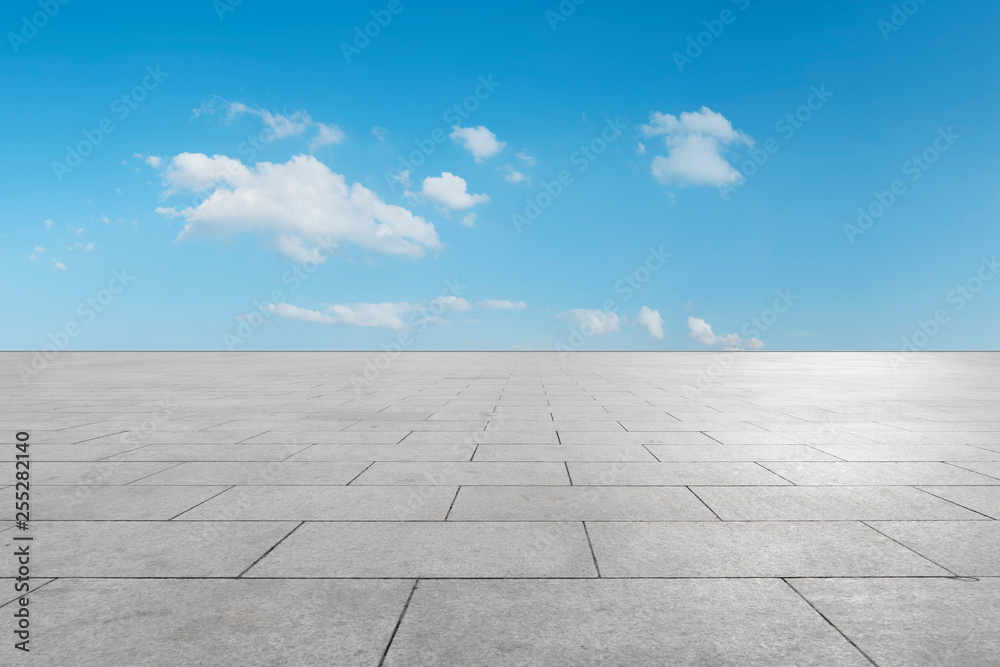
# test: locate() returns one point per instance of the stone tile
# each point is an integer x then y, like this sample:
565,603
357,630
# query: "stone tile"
577,503
247,473
912,622
210,453
829,503
213,622
615,622
87,473
876,474
738,453
67,452
563,453
670,474
401,452
984,499
431,549
986,438
909,452
177,437
457,474
328,437
149,548
326,503
787,438
433,426
106,503
504,437
990,468
662,438
967,548
762,549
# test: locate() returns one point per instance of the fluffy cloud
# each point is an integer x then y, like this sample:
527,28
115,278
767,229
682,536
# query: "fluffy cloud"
58,266
651,320
451,191
526,158
469,220
477,140
515,176
326,135
297,201
695,144
451,303
374,315
591,322
278,126
702,332
502,304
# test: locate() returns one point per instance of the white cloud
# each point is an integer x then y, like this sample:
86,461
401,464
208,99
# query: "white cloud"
651,320
48,224
297,313
702,332
79,232
279,126
38,251
477,140
452,303
326,135
370,315
640,149
591,322
502,304
154,161
58,266
515,176
380,132
528,159
300,198
451,191
695,144
295,249
80,246
469,220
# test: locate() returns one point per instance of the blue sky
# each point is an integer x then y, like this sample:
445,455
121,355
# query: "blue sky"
244,175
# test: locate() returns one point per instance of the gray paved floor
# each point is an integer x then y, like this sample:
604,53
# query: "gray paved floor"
508,509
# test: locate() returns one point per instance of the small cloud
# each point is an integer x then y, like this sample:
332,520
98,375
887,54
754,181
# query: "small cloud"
294,248
154,161
326,135
48,223
688,305
640,149
58,266
80,246
583,117
502,304
651,320
696,142
469,220
702,332
105,219
477,140
515,176
452,303
38,251
79,232
591,322
450,191
380,132
526,158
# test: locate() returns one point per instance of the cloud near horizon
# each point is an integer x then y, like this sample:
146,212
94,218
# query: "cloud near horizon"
298,201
